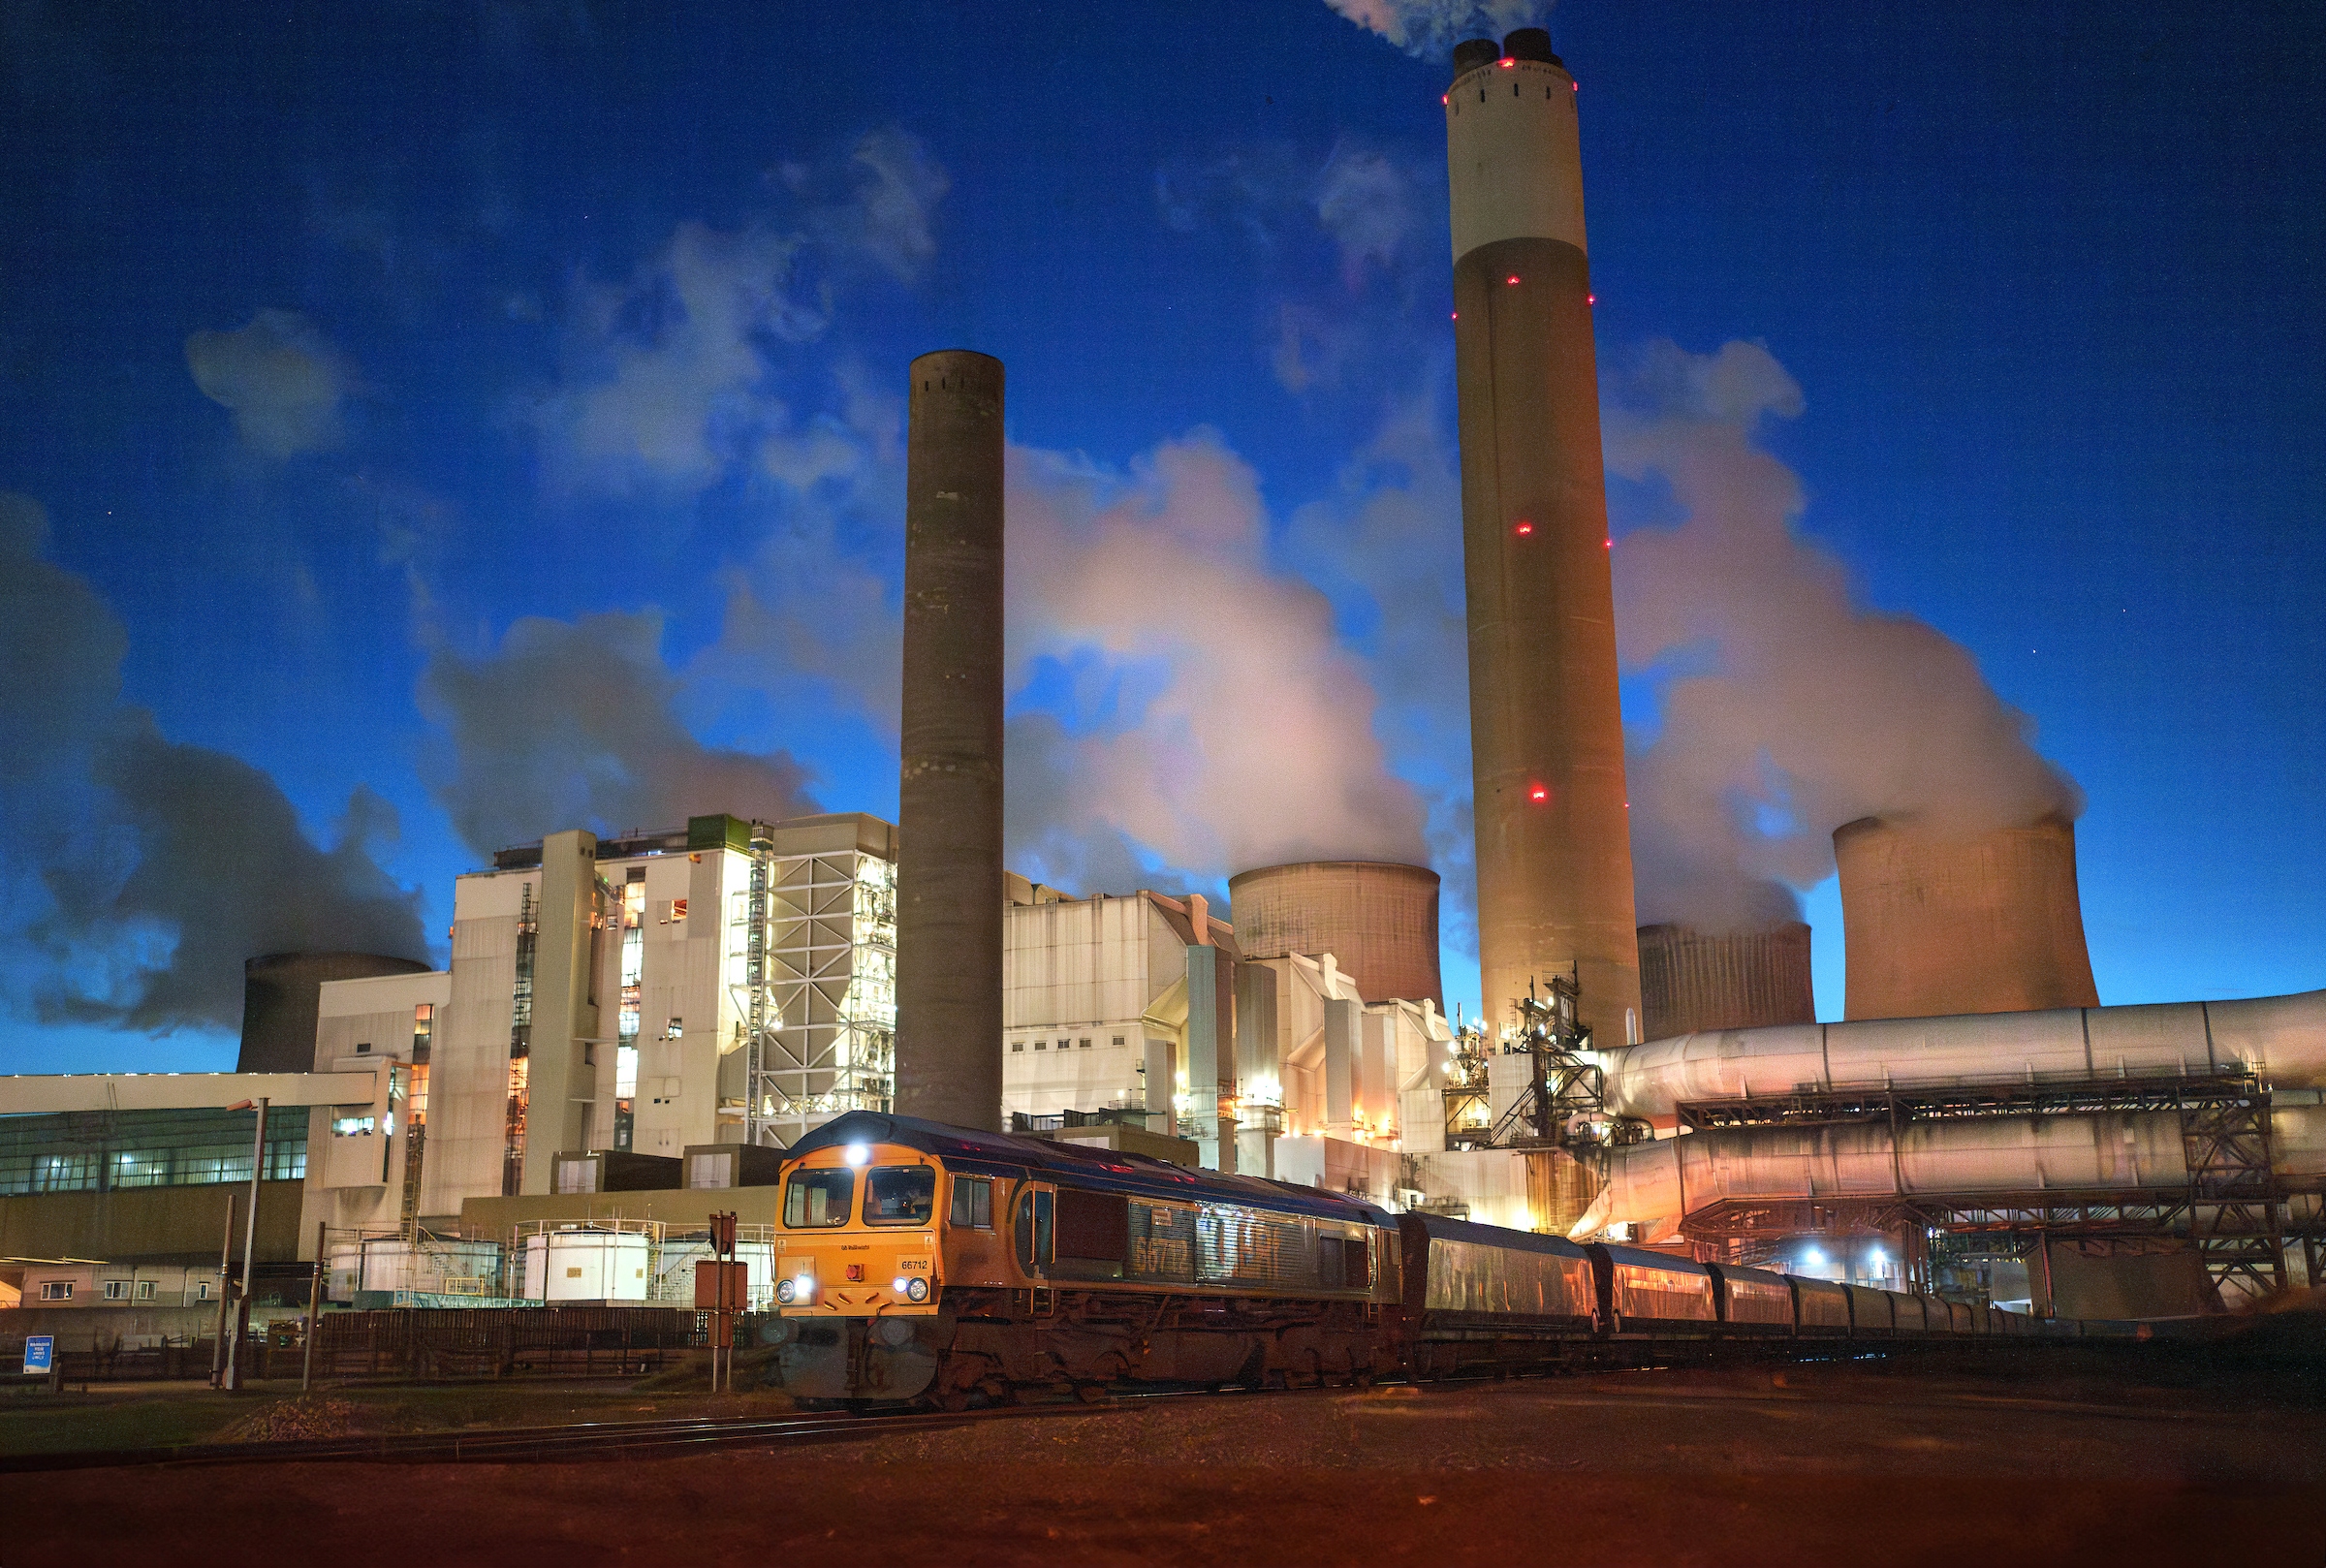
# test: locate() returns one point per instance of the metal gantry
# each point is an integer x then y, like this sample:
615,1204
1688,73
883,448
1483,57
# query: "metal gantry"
2233,1205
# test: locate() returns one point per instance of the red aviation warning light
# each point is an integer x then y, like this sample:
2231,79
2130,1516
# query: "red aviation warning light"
1538,792
1524,528
1512,280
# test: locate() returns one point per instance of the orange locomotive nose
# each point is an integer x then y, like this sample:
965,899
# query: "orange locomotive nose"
855,1273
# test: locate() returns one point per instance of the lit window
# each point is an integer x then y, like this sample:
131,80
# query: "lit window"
56,1290
355,1126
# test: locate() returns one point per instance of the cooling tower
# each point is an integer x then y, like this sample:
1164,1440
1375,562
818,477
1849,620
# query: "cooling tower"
1987,922
282,995
949,873
1377,918
1692,981
1545,726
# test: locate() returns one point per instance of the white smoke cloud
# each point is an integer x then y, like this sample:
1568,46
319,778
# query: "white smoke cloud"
576,725
1244,731
1790,707
668,381
1435,26
141,873
279,375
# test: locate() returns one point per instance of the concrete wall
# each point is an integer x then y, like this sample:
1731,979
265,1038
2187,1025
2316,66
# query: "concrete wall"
150,1224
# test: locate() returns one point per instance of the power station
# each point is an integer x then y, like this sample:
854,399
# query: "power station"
625,1022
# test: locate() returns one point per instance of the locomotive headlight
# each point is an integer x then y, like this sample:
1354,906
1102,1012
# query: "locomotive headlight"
786,1292
898,1284
916,1288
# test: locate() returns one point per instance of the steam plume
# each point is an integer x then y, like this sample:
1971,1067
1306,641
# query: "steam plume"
149,870
1435,26
572,725
1790,707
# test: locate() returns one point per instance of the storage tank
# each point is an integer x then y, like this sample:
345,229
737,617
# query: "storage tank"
282,993
584,1265
1693,980
430,1267
1378,918
1936,923
674,1276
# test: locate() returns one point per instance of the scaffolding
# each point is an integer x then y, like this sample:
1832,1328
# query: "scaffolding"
816,992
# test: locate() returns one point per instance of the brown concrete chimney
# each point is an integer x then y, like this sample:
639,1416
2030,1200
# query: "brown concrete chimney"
1938,924
1693,981
1546,726
1379,919
949,873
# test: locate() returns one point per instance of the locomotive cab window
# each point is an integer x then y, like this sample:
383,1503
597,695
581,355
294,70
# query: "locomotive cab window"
901,1195
972,1201
817,1198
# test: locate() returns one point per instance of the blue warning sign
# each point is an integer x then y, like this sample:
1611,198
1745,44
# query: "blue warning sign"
39,1352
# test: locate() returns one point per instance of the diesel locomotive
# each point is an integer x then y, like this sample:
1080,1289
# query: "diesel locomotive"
934,1264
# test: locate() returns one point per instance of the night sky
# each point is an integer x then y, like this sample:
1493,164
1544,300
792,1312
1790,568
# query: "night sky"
434,425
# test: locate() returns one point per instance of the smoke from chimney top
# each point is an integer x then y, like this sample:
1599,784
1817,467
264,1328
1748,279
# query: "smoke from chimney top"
1790,707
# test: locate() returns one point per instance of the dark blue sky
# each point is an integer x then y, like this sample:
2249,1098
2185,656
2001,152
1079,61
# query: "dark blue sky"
336,341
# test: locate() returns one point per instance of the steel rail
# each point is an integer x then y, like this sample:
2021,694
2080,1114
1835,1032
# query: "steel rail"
536,1444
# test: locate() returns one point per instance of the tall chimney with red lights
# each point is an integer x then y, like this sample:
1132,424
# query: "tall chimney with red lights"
1554,841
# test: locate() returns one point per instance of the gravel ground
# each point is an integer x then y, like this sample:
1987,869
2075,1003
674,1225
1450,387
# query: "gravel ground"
1989,1466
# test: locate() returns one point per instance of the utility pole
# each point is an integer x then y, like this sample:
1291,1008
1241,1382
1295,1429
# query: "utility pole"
226,1290
307,1369
250,1241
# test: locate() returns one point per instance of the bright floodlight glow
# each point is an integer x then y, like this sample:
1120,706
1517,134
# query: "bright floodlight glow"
1814,1258
857,1153
898,1284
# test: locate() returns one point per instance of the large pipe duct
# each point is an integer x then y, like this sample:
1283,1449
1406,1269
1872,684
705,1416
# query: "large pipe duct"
1546,726
1693,980
1936,923
1377,918
949,873
2283,1038
1654,1186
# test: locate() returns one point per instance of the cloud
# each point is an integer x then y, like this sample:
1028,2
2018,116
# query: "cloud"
1230,728
1434,26
144,871
575,725
1788,706
279,375
671,381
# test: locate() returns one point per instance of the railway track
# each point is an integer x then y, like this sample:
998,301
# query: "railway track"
535,1445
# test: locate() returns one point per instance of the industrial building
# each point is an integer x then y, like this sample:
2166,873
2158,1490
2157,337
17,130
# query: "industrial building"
629,1024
